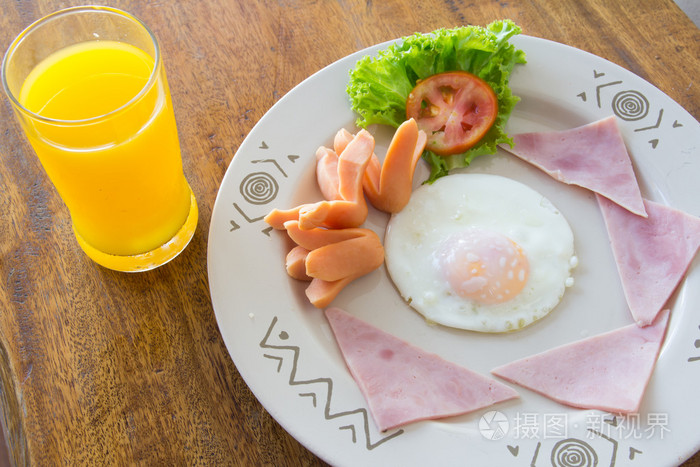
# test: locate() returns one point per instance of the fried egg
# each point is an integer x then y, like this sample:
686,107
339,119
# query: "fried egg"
480,252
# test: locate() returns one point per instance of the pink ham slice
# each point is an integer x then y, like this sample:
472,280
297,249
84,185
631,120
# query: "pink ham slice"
592,156
608,371
652,254
404,384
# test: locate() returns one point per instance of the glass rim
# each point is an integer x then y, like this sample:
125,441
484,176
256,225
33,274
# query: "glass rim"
71,10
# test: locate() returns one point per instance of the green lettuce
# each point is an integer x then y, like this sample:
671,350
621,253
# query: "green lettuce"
379,85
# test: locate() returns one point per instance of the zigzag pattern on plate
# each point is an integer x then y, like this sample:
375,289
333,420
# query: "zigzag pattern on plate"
325,381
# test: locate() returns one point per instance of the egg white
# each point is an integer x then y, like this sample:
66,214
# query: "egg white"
463,201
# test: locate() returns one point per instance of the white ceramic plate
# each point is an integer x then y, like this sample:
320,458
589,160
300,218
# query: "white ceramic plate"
285,351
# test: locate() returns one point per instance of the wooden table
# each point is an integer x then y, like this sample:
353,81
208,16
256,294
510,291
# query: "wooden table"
104,367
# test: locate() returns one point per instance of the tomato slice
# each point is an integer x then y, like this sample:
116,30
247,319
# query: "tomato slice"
455,109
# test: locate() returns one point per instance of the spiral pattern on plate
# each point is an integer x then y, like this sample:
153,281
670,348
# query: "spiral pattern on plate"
573,453
630,105
259,188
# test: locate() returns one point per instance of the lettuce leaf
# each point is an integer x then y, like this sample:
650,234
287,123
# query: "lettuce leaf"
379,85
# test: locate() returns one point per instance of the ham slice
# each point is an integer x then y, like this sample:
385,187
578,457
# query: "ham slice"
652,254
404,384
608,371
593,156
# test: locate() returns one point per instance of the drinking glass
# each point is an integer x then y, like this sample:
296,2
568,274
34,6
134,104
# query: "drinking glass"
88,87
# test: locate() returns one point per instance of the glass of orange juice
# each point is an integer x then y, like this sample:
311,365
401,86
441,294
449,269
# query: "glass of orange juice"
88,87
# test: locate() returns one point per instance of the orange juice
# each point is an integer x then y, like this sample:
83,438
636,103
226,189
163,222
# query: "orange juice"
108,141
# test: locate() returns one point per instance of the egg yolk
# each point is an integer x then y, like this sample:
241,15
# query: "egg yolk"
483,265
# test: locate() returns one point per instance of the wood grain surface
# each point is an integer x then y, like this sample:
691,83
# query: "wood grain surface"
100,367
